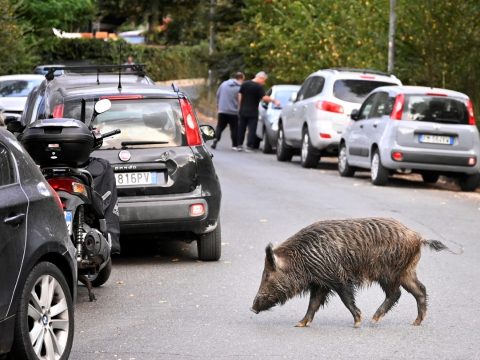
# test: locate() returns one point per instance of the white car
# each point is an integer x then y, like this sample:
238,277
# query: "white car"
313,124
14,90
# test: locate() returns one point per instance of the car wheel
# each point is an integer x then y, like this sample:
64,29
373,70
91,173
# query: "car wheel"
309,157
378,172
103,276
44,322
430,177
209,245
469,182
283,152
267,147
344,169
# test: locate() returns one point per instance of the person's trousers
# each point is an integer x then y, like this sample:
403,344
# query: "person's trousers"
250,123
232,121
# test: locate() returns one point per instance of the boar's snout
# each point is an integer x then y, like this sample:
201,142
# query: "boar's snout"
254,311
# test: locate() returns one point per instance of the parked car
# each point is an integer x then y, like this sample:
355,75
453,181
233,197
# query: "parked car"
314,123
165,176
269,114
38,268
14,90
43,69
411,128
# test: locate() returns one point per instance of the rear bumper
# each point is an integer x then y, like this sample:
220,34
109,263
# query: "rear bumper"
432,161
332,125
167,213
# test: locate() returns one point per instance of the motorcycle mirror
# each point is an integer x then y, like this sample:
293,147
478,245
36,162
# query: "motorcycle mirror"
102,105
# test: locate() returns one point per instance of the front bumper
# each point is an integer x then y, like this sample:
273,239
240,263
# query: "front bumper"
167,213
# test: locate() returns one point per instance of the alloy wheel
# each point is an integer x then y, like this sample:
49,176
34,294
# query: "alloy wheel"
48,318
375,165
342,159
305,144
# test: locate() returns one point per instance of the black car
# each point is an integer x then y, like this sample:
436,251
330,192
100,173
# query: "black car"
165,176
38,268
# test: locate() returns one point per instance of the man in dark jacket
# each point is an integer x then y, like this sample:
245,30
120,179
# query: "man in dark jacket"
250,94
227,107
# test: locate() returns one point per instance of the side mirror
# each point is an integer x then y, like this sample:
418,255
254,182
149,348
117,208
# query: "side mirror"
355,114
102,105
208,132
293,97
13,123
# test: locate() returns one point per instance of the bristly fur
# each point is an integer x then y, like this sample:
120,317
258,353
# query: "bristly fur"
342,256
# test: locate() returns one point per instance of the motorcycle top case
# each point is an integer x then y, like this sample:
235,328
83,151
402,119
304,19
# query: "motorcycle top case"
58,142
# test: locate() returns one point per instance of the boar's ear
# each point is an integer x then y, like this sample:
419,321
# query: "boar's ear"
271,259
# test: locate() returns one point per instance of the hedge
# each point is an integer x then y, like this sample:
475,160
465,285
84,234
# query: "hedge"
163,63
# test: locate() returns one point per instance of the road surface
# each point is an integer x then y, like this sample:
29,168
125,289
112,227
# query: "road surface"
161,303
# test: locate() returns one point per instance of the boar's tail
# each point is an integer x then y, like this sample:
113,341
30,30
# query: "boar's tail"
439,246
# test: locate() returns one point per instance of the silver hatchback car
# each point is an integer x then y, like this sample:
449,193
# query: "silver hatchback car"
411,128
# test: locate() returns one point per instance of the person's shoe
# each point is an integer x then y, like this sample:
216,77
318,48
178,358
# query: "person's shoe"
239,148
214,144
249,149
234,148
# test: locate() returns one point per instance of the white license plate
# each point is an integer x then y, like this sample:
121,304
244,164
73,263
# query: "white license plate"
136,178
436,139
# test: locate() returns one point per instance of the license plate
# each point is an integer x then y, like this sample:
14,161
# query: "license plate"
436,139
69,220
136,178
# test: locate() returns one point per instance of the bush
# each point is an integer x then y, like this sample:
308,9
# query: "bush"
162,63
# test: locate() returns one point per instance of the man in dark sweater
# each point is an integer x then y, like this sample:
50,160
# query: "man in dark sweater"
250,94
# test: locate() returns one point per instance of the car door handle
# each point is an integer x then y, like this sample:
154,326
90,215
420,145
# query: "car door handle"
361,126
375,125
14,220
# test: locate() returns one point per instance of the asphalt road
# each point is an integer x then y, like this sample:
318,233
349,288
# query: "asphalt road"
161,303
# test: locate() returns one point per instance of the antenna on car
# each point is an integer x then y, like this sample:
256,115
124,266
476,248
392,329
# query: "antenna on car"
98,76
120,77
175,88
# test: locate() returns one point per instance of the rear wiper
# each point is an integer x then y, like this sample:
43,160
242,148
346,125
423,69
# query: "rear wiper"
130,143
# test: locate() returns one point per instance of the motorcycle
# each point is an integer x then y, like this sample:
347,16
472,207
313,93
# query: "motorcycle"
62,148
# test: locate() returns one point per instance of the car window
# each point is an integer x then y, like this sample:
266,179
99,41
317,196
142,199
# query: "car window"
355,91
364,112
383,105
138,119
283,96
17,88
7,174
303,89
437,109
315,86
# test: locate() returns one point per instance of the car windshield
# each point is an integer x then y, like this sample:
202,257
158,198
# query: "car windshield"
284,96
355,91
147,120
17,88
439,109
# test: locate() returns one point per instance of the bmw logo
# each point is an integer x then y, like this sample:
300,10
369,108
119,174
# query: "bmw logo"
124,155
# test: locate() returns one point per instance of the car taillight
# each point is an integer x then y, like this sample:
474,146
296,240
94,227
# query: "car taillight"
58,111
57,198
325,136
192,131
197,210
398,107
397,155
471,116
329,106
69,185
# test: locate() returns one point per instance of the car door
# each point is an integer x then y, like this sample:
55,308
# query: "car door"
293,120
374,126
263,109
316,87
357,141
13,211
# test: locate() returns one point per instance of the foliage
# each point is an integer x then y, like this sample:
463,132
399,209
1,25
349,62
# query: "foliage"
16,55
163,63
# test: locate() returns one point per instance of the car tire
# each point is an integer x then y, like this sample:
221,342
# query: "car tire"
284,153
430,177
53,334
469,182
379,174
309,157
103,276
267,147
209,246
344,168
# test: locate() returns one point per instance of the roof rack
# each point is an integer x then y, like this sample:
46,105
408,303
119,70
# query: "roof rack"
135,69
364,71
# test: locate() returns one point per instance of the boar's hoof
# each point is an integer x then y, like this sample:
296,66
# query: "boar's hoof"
417,322
303,323
357,324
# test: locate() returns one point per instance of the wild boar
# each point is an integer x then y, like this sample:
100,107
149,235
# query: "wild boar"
339,256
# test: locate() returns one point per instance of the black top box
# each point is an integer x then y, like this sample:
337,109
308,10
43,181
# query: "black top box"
58,142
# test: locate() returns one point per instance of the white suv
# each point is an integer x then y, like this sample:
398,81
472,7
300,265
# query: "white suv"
313,124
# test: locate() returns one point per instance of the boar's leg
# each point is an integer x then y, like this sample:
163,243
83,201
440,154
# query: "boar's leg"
347,295
392,294
417,289
318,297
